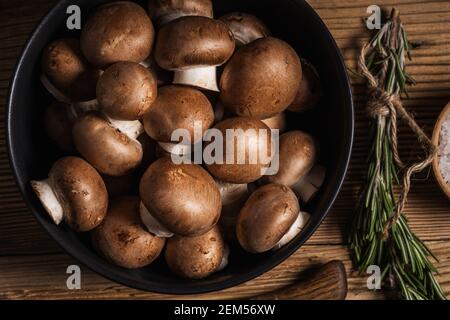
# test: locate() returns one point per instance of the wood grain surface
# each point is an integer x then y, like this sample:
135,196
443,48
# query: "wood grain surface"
33,267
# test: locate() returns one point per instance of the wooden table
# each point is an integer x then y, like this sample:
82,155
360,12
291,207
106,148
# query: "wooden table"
32,266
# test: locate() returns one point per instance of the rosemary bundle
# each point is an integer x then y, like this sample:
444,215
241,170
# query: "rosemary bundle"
379,233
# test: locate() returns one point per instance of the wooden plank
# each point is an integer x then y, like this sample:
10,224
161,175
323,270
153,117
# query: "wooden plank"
46,277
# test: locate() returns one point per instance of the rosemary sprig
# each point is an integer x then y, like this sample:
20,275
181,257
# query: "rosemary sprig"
402,257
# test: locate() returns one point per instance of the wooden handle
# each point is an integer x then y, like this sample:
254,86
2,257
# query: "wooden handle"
329,282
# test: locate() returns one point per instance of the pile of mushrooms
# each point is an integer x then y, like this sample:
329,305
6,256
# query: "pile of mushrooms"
124,87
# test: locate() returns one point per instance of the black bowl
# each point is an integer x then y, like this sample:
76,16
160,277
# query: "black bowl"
31,154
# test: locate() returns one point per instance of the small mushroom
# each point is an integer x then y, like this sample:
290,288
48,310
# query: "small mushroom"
269,215
261,79
196,257
183,198
74,192
251,144
178,107
58,122
193,47
126,90
65,72
297,158
245,27
122,239
117,31
310,89
163,12
278,121
110,146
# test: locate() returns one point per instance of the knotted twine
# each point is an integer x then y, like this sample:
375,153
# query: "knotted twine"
383,104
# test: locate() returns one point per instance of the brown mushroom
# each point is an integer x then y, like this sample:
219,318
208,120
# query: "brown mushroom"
183,198
117,31
126,90
178,107
163,12
66,74
245,27
193,46
247,150
122,239
58,122
109,147
269,214
74,192
261,79
310,90
196,257
297,157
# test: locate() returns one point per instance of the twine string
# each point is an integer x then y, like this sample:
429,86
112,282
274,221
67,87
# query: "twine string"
384,104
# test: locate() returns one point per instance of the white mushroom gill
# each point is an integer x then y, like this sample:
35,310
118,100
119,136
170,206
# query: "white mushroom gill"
177,149
153,225
201,77
132,129
48,198
294,230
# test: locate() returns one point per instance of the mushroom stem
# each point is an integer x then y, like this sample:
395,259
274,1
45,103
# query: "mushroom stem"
307,187
176,148
48,198
132,129
226,254
57,94
152,225
201,77
80,107
294,230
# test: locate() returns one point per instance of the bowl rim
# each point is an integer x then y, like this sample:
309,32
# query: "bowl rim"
445,187
268,264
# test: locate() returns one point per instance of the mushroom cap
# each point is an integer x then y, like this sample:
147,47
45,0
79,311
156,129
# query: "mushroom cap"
118,31
164,11
126,90
80,191
193,41
178,107
297,155
184,198
245,27
266,217
261,79
66,68
122,239
254,146
109,150
195,257
58,123
310,91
